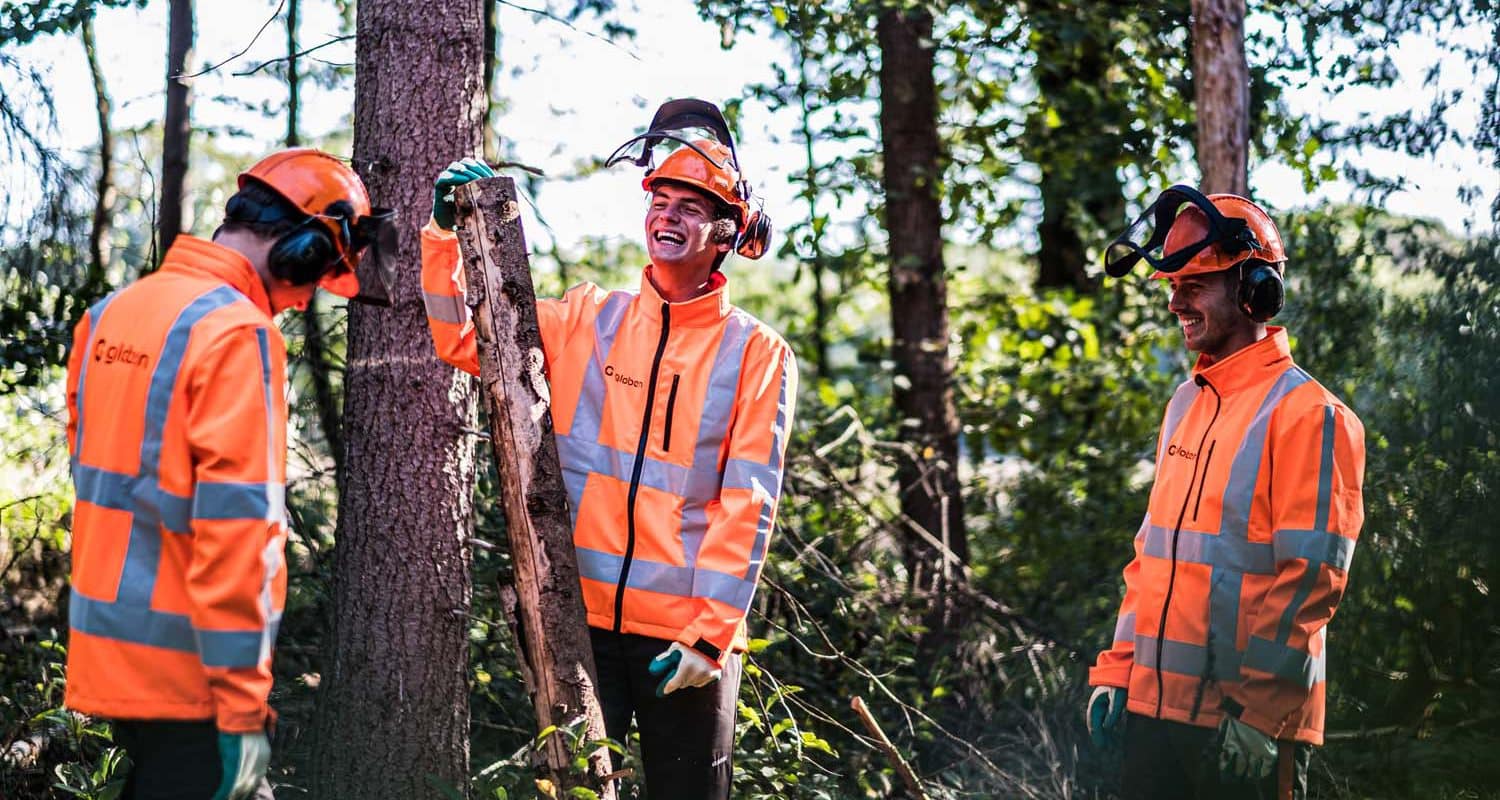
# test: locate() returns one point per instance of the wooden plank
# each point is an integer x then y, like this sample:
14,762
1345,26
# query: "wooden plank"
551,630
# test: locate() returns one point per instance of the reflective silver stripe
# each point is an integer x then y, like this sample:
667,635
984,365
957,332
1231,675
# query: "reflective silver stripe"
1320,523
272,556
1285,662
1194,547
767,517
1125,628
588,411
1225,583
211,500
671,579
1184,658
713,427
445,308
1177,408
741,474
1322,547
586,457
166,630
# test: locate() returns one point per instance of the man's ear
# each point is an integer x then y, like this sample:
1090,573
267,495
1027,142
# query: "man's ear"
724,232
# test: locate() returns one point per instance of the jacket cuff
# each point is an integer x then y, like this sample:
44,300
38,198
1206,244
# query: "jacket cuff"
432,230
1251,716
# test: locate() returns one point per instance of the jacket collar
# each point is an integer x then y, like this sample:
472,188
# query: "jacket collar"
703,311
190,255
1249,366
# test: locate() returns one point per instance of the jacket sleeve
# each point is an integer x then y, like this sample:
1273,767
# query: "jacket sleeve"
1317,469
443,295
739,530
451,322
236,583
1112,668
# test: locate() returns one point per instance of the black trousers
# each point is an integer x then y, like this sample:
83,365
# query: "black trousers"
173,760
1166,760
687,737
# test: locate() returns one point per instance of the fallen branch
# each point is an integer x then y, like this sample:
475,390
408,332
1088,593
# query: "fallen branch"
908,777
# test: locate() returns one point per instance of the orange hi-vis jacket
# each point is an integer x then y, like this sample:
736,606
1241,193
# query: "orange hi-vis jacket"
1245,549
671,422
177,427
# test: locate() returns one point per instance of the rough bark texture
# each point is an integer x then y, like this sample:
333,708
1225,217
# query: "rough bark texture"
104,188
1221,95
551,628
919,294
394,715
177,123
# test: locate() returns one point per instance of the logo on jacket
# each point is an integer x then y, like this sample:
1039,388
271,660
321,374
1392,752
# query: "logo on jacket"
107,353
1174,450
620,377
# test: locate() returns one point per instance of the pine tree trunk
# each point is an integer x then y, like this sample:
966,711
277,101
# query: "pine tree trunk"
293,79
176,124
1221,94
393,720
104,188
919,295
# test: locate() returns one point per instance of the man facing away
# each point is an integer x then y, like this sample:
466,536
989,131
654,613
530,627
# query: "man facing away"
177,429
671,409
1215,679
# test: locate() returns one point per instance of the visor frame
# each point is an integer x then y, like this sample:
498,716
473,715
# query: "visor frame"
1166,209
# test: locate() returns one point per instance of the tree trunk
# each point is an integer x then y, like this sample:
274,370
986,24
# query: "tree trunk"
293,80
491,151
104,188
811,190
393,720
176,124
551,629
923,391
1221,94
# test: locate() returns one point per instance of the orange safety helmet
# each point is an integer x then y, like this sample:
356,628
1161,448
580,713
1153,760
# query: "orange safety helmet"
316,182
1192,226
714,174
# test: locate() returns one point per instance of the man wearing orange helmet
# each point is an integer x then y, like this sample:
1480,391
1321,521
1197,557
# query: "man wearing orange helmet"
177,429
1215,680
671,409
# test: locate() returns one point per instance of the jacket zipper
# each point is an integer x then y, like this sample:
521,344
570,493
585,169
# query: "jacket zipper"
635,472
1207,460
666,435
1166,603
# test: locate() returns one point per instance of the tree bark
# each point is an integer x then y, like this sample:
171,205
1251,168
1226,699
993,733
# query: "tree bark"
176,123
811,191
104,187
293,79
393,720
919,294
550,624
1221,95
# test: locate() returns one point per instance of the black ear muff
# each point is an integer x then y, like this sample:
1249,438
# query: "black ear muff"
303,254
755,239
1262,292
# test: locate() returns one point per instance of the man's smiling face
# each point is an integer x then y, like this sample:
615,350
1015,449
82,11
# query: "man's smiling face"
1206,307
679,229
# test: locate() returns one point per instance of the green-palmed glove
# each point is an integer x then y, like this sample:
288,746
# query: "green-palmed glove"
1246,753
243,758
681,668
457,174
1106,707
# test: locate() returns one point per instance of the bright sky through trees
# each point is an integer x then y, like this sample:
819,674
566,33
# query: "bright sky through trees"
572,96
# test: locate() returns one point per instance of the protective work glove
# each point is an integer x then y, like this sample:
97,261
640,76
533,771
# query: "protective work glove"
1246,753
1106,707
243,758
681,667
457,174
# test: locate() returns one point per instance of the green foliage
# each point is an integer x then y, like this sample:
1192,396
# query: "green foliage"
24,20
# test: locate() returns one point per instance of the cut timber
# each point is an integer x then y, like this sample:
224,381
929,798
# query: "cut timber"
552,635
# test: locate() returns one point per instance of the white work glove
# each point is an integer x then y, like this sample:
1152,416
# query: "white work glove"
682,667
1105,709
1246,753
243,758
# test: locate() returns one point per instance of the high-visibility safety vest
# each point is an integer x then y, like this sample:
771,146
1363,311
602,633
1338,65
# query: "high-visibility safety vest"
177,429
1245,548
671,422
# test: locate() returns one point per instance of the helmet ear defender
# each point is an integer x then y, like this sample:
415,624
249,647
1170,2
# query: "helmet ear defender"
755,239
1262,291
307,252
